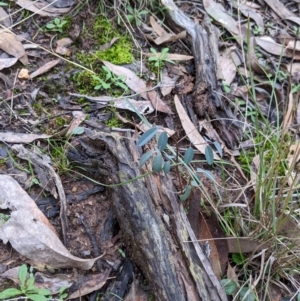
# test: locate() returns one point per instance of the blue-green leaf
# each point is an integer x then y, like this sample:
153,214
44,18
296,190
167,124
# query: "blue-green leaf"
298,297
157,163
78,130
145,157
246,294
189,155
219,148
167,167
162,141
187,192
230,286
196,181
207,173
148,135
209,155
22,275
10,292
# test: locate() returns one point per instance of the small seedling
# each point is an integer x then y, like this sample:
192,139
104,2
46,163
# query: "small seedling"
27,288
159,59
56,25
110,81
135,15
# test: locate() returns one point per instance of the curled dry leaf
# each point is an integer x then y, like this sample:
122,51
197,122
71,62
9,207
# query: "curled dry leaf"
190,130
229,61
30,233
23,74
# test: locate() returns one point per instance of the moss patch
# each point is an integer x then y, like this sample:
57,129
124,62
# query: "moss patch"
103,32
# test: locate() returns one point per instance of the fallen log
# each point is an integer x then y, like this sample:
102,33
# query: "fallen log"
154,225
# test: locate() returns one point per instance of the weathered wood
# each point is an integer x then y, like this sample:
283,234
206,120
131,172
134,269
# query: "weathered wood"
207,96
156,228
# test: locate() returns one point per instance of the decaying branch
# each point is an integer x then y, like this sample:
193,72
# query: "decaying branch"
156,228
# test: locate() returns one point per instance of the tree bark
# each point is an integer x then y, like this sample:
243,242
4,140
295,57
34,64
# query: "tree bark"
155,226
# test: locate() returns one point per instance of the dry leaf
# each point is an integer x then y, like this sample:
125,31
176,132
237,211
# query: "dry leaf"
156,27
156,101
218,13
142,106
228,63
30,233
20,137
190,130
10,44
8,62
89,284
130,79
4,18
32,6
167,83
108,45
44,68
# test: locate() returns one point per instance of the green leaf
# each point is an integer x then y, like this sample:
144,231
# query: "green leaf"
130,9
196,181
10,292
30,283
153,50
44,292
162,141
189,155
143,12
98,87
50,26
219,148
207,173
78,130
147,136
230,286
36,297
246,294
238,258
298,297
187,192
209,155
62,289
145,157
22,275
167,167
157,163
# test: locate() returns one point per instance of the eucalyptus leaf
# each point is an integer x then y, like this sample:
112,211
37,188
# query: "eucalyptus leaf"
189,155
145,157
162,141
167,167
147,136
187,192
157,163
209,155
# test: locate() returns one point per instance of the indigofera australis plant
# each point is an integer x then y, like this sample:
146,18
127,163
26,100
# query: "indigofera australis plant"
165,157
